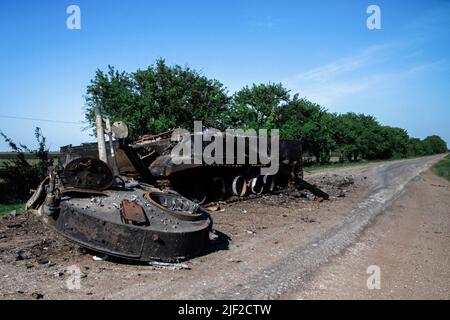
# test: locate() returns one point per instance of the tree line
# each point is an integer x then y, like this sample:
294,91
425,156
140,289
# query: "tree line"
164,97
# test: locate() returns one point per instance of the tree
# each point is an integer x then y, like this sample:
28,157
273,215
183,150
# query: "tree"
348,135
112,91
158,98
396,143
257,107
302,119
362,135
415,147
434,144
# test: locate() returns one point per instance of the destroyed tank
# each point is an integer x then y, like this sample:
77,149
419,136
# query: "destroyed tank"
150,159
115,207
86,204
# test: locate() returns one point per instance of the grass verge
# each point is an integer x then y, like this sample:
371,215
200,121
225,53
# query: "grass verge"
338,165
7,208
442,168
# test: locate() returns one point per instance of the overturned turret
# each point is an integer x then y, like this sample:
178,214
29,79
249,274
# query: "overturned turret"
119,217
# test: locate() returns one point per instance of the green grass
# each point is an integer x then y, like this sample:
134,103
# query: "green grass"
337,165
442,168
5,156
7,208
346,164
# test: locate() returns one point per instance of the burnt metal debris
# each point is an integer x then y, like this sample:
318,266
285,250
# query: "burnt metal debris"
148,159
87,173
136,223
128,216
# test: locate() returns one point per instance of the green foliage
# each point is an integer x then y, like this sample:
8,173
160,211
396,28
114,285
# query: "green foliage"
302,119
395,145
257,107
442,168
416,147
434,144
157,99
113,92
351,135
430,145
6,209
18,175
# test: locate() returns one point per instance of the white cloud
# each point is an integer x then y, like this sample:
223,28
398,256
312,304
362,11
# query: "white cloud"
268,22
351,75
336,68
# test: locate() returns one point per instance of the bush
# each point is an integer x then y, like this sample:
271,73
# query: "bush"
442,168
18,175
434,144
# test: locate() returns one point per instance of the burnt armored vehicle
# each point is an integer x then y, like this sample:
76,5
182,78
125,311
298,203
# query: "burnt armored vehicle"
115,207
151,159
87,205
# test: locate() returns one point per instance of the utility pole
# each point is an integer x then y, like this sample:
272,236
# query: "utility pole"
100,136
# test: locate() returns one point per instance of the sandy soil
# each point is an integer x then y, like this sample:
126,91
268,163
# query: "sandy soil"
410,244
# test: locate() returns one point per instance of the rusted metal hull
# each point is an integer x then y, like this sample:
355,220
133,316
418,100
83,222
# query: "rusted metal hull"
149,159
97,224
129,242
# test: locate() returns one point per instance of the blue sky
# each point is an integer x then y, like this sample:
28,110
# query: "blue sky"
319,49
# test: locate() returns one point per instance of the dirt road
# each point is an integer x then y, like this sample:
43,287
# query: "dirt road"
410,243
279,246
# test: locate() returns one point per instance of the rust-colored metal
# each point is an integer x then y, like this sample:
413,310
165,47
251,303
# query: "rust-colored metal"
38,195
69,191
302,184
176,206
88,173
99,224
152,159
132,213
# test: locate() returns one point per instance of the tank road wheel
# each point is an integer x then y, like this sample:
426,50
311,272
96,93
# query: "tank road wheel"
257,185
194,188
219,189
282,178
198,193
239,186
269,183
